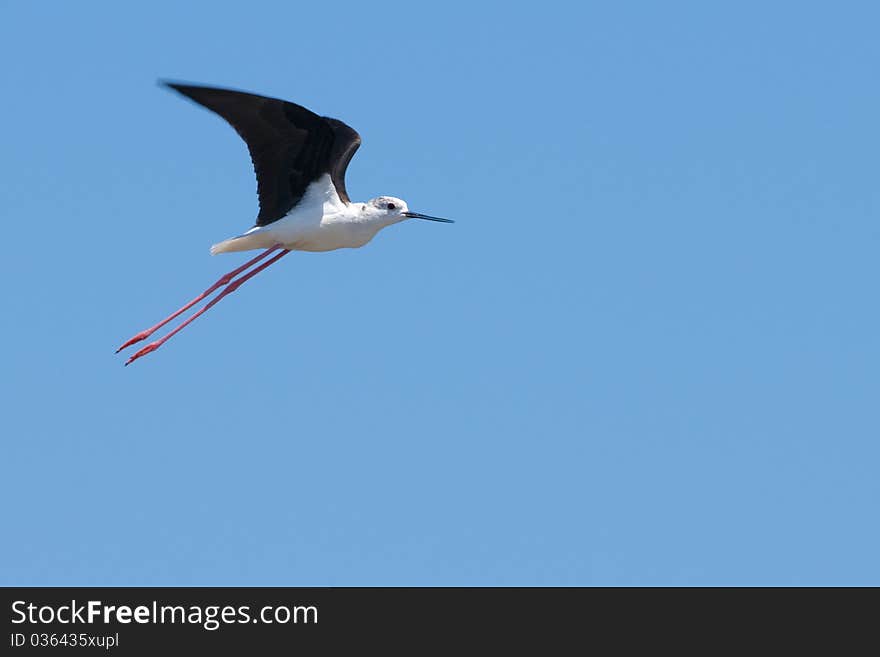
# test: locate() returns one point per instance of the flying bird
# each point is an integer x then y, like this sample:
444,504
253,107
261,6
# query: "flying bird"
300,160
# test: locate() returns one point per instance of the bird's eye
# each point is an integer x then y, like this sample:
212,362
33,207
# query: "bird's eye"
391,206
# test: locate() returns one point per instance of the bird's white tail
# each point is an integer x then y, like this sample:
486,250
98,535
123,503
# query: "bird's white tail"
253,239
226,246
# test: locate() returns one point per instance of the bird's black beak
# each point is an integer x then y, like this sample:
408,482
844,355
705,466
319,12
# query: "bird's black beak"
418,215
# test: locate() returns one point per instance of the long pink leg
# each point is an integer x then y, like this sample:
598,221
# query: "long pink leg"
229,289
223,280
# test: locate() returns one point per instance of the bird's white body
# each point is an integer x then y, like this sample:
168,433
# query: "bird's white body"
321,221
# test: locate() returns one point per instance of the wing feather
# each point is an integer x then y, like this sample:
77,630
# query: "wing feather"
290,146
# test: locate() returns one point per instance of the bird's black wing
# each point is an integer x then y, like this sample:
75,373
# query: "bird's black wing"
346,143
290,146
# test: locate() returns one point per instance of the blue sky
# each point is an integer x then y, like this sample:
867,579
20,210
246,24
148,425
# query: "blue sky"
647,352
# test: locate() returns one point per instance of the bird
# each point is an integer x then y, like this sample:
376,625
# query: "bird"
300,160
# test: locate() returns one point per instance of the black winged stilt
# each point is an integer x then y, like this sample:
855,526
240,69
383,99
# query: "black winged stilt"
300,160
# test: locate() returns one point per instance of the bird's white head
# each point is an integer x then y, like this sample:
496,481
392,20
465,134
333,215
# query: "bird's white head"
388,207
389,210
